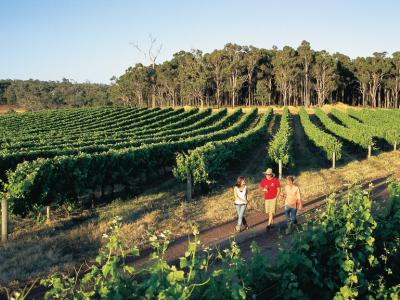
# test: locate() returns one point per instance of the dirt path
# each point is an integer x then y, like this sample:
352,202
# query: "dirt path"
221,236
257,161
303,157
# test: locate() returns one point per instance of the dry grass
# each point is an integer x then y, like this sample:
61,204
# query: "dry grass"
40,249
7,108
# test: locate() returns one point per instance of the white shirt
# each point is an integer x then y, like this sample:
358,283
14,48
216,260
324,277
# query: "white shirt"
240,196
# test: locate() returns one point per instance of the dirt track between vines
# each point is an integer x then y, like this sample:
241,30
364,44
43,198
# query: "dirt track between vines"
220,237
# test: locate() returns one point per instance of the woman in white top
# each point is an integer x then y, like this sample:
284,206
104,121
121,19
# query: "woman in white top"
240,194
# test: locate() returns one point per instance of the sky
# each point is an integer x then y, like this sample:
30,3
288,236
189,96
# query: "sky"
92,40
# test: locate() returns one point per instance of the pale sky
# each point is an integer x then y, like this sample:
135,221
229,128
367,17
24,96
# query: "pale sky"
90,39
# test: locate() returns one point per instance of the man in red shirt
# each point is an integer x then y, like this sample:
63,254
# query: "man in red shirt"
272,189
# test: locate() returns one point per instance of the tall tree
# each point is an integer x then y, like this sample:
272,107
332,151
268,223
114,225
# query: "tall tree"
285,71
306,57
216,63
362,74
152,54
378,66
324,75
134,86
396,78
235,66
251,59
347,85
167,74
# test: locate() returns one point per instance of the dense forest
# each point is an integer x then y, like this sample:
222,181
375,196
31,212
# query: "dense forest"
36,94
246,75
234,75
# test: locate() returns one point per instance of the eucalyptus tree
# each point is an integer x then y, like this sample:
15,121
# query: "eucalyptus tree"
167,75
324,75
216,64
192,76
396,78
251,60
199,76
235,70
151,54
285,71
134,86
234,75
306,58
347,84
378,66
264,77
362,74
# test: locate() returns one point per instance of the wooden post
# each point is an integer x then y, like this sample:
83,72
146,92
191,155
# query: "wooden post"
369,151
188,185
334,160
48,214
395,146
280,169
4,220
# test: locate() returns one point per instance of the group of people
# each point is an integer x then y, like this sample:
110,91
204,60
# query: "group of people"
272,192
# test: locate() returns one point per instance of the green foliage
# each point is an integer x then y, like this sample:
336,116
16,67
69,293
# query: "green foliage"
348,252
281,146
210,161
63,179
383,123
263,92
30,147
324,75
326,142
375,131
233,75
353,135
37,94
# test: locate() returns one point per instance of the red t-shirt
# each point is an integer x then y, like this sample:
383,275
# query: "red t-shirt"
272,184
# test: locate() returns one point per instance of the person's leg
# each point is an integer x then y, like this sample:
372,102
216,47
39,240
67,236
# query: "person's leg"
239,221
289,220
272,212
270,218
294,215
242,210
266,204
244,222
287,215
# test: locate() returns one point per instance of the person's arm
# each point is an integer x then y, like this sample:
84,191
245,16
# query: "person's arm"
299,198
247,197
260,187
235,193
278,193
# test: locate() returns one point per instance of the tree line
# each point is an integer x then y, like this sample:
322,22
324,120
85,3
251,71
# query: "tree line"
246,75
36,94
234,75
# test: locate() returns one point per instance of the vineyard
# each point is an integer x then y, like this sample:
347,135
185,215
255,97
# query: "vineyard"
84,158
59,156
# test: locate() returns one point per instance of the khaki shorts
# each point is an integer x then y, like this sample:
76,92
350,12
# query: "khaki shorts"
270,206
